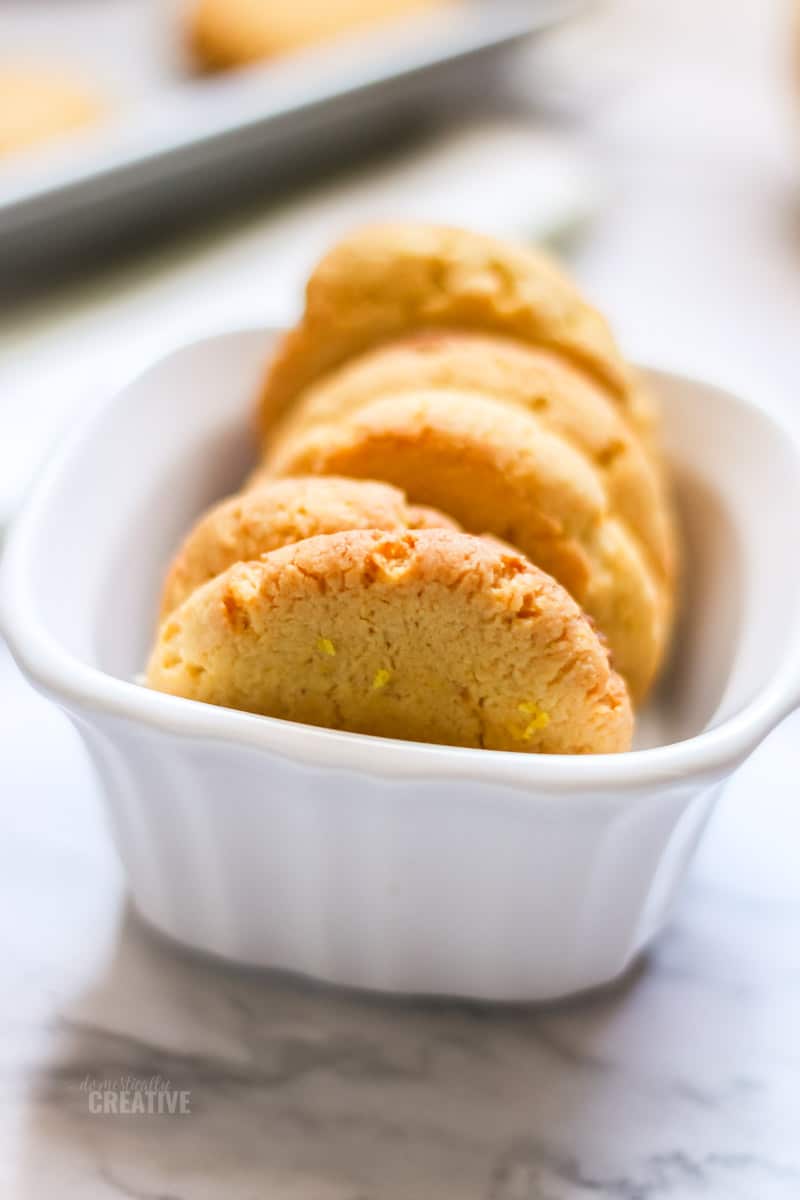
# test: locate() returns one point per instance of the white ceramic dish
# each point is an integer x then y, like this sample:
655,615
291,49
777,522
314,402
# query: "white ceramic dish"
376,863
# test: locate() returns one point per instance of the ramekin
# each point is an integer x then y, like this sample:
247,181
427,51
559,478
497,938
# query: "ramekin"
376,863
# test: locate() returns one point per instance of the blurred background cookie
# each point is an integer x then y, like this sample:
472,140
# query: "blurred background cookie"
232,33
40,104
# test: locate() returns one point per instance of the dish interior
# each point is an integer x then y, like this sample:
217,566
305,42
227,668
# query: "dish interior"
117,504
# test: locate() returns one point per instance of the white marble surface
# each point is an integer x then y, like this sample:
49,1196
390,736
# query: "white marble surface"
683,1082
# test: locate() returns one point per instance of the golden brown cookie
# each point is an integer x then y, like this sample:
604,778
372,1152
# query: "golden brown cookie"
389,280
40,105
282,511
232,33
495,469
432,636
564,399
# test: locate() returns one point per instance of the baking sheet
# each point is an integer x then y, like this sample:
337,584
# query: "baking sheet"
173,139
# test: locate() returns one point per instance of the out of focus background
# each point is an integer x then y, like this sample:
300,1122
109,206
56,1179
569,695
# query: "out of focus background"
145,199
655,145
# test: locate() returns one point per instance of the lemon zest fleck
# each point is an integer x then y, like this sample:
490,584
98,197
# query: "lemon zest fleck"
326,646
381,679
539,718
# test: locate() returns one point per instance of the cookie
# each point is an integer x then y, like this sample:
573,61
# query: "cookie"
280,512
386,281
495,469
40,105
432,636
564,400
232,33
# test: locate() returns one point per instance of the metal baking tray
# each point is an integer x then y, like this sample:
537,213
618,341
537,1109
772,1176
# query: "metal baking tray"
183,144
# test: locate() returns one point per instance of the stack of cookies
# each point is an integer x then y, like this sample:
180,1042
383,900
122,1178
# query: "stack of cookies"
461,519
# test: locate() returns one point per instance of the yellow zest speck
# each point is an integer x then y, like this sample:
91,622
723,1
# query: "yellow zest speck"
326,646
381,679
539,719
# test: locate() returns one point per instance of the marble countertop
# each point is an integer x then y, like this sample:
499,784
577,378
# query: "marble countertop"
681,1082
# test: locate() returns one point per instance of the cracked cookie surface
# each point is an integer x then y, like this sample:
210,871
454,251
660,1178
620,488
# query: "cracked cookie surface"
495,469
564,400
278,512
387,280
431,635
